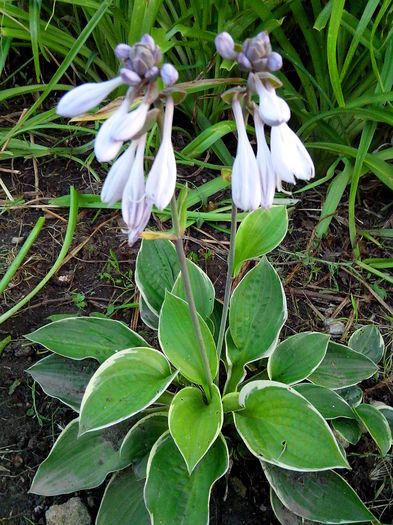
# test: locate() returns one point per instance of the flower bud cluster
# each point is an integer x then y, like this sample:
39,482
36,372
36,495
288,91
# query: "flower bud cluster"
256,53
142,62
255,178
126,180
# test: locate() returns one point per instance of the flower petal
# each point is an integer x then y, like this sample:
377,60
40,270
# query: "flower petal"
85,97
113,187
272,109
131,123
265,166
105,147
161,181
246,187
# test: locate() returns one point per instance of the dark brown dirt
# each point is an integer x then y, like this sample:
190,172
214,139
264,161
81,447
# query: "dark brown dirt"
317,290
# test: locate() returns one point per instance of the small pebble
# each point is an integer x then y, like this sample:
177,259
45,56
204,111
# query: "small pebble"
72,512
334,327
18,461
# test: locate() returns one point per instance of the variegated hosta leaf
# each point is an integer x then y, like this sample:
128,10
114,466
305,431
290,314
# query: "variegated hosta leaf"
348,429
259,233
78,463
342,367
328,403
172,495
156,271
125,384
138,442
368,341
257,313
64,379
178,341
377,425
297,357
81,337
195,425
123,501
202,289
318,496
280,426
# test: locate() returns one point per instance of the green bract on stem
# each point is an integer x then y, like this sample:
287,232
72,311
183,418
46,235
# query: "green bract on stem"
190,299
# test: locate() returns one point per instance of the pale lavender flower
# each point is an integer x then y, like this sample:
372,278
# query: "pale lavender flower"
274,61
115,181
131,123
161,181
265,166
272,109
122,51
169,74
290,158
129,77
225,45
244,63
106,147
86,97
246,187
135,207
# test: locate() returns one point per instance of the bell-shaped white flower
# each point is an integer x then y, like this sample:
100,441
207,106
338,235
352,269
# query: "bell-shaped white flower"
272,109
161,181
85,97
246,187
135,207
265,166
132,123
289,156
115,182
105,146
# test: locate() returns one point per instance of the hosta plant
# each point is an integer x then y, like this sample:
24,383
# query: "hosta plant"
164,419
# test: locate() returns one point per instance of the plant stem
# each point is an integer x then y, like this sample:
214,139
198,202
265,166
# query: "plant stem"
190,298
228,284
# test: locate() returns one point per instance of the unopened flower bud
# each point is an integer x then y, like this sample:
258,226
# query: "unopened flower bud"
169,74
152,73
122,51
130,77
244,63
225,45
264,36
142,58
148,41
274,61
261,64
157,55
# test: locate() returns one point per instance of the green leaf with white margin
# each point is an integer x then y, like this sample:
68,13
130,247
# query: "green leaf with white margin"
352,395
342,367
377,425
123,501
257,313
259,233
138,442
284,515
149,317
368,341
125,384
297,357
156,271
348,429
193,424
317,496
64,379
172,495
328,403
202,289
280,426
79,463
82,337
387,411
178,341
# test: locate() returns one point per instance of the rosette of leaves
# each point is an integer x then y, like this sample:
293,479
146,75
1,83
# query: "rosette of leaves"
146,416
